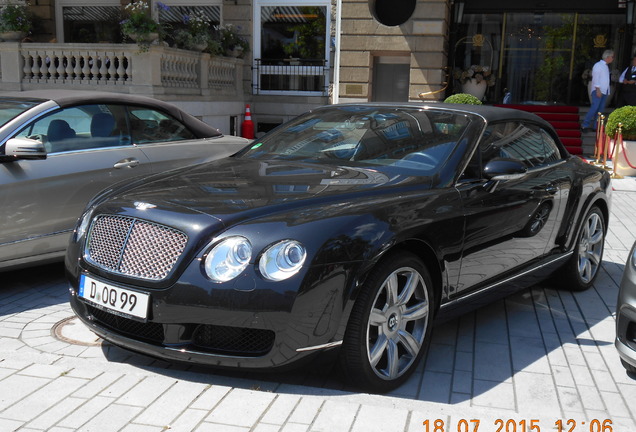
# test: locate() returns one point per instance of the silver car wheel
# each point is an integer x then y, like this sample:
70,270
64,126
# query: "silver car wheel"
397,323
591,247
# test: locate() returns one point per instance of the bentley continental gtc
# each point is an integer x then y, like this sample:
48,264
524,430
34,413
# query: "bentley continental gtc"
351,227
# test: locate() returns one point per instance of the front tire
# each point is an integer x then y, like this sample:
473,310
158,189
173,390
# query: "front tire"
582,268
389,329
628,368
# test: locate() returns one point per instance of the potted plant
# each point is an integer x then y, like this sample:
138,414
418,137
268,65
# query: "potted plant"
463,98
625,154
232,43
196,35
139,25
475,79
15,22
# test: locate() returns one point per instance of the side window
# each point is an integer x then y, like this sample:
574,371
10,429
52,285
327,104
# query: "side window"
552,152
487,150
149,126
79,128
527,143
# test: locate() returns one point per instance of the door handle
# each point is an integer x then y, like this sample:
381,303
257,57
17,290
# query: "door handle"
552,190
126,163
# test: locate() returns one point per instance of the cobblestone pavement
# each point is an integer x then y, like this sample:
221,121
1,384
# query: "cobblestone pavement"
520,364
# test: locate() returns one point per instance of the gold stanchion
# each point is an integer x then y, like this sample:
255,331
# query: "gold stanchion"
600,140
606,142
618,140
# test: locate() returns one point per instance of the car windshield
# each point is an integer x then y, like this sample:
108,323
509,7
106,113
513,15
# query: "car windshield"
420,139
11,108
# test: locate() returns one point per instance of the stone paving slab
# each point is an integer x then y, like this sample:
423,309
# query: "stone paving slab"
542,354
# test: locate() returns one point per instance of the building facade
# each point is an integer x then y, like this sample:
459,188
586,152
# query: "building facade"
306,53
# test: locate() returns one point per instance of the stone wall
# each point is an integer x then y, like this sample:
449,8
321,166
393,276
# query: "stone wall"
424,38
44,25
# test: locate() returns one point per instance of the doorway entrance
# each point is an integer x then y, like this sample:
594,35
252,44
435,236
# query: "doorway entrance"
540,57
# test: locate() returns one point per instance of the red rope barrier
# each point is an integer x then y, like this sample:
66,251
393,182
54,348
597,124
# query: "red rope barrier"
625,155
612,144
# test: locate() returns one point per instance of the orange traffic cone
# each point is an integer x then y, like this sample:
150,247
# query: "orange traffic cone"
247,128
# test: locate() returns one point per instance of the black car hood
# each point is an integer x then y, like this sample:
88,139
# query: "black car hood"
234,189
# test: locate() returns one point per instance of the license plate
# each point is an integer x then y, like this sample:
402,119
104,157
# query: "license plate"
114,299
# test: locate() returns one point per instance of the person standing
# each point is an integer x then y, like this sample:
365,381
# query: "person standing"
599,91
628,81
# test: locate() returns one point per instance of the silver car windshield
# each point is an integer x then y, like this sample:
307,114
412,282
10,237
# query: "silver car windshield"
407,137
11,108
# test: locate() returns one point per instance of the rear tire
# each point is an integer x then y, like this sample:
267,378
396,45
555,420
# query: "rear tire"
579,272
389,329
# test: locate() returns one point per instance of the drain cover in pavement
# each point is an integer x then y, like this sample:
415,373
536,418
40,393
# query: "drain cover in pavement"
73,331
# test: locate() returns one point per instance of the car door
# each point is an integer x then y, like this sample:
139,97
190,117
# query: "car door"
167,142
90,149
510,223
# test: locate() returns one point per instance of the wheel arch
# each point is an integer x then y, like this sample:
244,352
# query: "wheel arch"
418,247
598,200
430,259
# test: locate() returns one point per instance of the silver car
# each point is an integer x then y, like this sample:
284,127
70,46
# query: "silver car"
626,315
59,148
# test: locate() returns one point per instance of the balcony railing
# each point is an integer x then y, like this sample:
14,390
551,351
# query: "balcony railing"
285,76
118,68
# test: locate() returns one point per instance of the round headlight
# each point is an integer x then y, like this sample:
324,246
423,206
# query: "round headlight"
82,225
282,260
228,259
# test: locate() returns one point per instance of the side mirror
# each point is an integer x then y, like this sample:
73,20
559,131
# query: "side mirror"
505,169
23,148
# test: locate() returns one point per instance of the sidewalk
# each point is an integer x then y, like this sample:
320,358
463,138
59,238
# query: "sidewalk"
541,354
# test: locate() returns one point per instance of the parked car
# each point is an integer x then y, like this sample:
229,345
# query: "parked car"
59,148
626,315
352,226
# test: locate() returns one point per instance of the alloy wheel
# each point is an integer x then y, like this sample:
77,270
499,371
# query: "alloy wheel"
591,247
397,323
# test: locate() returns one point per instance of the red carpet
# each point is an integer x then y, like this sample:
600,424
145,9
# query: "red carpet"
565,119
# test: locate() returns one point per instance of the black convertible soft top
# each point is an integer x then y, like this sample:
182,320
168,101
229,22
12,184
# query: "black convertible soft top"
488,112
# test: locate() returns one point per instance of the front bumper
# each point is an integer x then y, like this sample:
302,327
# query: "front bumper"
220,327
626,313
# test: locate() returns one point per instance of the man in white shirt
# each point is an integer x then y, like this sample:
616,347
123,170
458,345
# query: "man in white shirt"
628,88
600,90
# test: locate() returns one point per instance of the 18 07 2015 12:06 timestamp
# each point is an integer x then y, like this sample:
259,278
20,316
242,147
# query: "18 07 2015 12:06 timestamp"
512,425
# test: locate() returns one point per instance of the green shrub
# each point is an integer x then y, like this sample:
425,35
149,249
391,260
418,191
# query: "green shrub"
463,98
627,117
15,18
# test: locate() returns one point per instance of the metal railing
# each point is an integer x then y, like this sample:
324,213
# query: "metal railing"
276,76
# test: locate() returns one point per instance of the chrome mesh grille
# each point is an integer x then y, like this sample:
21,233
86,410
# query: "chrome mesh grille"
134,247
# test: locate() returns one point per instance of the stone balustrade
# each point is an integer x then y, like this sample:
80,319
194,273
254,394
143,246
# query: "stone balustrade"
123,68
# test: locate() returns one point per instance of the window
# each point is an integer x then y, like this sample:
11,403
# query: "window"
11,108
291,48
413,140
81,21
173,14
80,128
148,126
527,143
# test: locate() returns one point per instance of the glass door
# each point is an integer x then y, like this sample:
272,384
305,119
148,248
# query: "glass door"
537,57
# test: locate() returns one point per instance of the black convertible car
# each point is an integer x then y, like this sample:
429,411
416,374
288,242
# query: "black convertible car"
352,226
